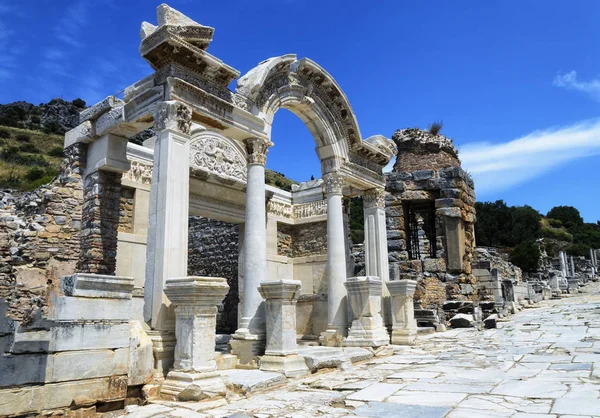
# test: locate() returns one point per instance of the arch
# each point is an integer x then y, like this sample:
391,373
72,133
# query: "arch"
308,91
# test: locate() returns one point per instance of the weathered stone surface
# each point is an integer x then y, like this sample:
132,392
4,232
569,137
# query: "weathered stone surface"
462,321
491,321
141,359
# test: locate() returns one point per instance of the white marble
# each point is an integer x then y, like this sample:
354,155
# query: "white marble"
404,325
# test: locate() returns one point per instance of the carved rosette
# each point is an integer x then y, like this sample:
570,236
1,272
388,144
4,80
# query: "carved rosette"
173,115
257,150
333,183
374,198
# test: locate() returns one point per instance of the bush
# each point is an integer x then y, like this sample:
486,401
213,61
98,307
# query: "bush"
39,182
23,138
555,223
35,173
80,103
578,250
14,156
558,234
4,133
56,152
436,127
526,255
568,215
29,148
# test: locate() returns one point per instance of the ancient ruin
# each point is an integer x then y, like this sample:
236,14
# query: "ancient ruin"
171,272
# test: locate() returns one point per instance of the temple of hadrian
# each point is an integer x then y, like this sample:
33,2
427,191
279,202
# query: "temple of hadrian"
171,270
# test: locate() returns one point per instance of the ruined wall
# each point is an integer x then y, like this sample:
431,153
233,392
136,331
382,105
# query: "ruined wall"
213,251
126,203
40,238
428,170
302,240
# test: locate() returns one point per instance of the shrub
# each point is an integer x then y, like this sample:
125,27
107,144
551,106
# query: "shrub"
80,103
36,119
56,152
35,173
4,133
436,127
39,182
29,148
558,234
23,138
578,250
14,156
568,215
526,255
555,223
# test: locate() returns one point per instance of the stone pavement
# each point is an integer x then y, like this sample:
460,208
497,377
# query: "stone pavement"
542,362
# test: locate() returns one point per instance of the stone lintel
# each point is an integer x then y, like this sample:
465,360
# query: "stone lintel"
84,133
196,291
97,110
97,286
108,153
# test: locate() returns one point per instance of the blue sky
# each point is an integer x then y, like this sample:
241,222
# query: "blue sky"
516,83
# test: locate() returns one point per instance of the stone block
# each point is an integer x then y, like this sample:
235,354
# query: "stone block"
292,365
32,399
141,359
462,321
84,133
491,321
67,308
434,265
419,175
450,212
97,286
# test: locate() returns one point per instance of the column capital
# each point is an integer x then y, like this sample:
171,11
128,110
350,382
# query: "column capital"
333,183
257,150
374,198
173,115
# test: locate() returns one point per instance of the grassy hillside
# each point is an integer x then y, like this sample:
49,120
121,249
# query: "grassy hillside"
277,179
28,158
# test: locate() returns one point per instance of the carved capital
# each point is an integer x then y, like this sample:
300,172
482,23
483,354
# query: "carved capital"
173,115
374,198
257,150
333,183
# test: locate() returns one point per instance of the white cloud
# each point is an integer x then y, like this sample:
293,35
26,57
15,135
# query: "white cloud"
570,81
72,23
496,167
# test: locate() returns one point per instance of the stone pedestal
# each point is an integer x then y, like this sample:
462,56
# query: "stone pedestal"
281,354
193,376
364,301
404,328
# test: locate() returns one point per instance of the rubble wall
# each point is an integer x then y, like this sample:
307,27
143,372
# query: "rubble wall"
213,251
302,240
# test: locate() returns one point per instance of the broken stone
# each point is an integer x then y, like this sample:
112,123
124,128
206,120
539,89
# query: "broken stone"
490,321
462,321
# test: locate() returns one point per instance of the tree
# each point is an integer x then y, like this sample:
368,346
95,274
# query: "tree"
568,215
500,225
526,255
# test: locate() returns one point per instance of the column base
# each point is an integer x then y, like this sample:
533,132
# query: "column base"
292,365
163,349
192,386
247,347
404,336
367,332
331,338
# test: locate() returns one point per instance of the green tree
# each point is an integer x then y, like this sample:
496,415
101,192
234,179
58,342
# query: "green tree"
568,215
526,255
500,225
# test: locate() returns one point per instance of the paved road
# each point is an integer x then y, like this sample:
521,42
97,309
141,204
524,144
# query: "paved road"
542,362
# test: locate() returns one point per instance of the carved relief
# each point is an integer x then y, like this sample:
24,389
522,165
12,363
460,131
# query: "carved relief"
173,115
216,155
310,209
257,150
374,198
279,209
333,183
140,172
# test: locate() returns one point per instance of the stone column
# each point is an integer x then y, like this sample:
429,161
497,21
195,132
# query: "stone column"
572,265
167,242
337,318
563,263
281,354
364,303
249,339
404,328
193,376
376,250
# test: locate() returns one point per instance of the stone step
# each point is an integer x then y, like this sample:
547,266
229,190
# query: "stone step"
248,382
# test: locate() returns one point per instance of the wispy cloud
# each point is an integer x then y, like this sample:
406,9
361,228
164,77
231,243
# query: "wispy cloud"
570,81
72,23
8,58
496,167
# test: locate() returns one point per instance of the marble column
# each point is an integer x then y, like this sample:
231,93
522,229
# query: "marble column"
167,240
376,251
364,303
563,263
404,328
249,339
194,375
572,265
281,354
337,313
